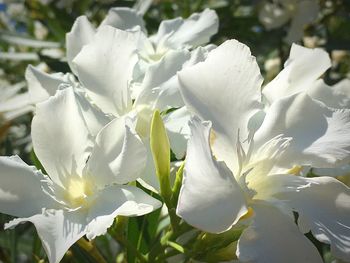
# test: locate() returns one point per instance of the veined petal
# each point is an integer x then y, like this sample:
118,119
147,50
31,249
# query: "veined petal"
323,205
118,200
210,199
81,34
193,31
319,134
273,237
22,188
119,155
105,68
224,89
57,229
60,136
123,18
299,72
42,85
336,96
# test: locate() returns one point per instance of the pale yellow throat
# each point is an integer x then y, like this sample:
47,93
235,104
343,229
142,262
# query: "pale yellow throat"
77,191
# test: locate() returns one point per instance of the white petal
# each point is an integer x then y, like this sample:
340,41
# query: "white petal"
118,155
94,117
149,178
336,96
306,12
159,77
42,85
105,68
323,205
118,200
176,124
81,34
57,229
123,18
60,136
224,89
22,188
160,85
210,199
299,72
193,31
169,95
273,237
319,134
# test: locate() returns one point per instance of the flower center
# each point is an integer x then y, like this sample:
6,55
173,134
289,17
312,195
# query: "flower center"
77,191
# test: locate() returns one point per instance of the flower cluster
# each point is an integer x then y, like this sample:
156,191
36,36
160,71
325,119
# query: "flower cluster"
103,135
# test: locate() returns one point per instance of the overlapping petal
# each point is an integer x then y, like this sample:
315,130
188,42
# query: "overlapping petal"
119,155
319,134
60,136
105,68
224,89
81,34
17,200
118,200
273,237
124,18
336,96
193,31
224,201
299,72
42,85
323,205
57,229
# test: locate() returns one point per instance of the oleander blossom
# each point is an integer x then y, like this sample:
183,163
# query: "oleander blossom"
301,74
241,172
86,186
116,73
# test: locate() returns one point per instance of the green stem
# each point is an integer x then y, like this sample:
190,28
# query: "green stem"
91,249
124,242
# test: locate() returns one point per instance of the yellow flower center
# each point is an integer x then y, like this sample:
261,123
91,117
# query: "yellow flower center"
78,189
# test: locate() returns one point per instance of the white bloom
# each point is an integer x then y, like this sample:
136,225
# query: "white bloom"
105,68
302,74
172,34
253,175
108,64
85,187
276,13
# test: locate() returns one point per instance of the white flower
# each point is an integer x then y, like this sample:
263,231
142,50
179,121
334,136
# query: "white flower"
232,174
108,64
85,188
276,13
172,34
302,74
